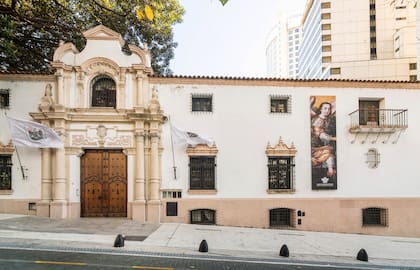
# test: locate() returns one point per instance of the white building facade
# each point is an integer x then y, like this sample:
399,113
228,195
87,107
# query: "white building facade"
320,155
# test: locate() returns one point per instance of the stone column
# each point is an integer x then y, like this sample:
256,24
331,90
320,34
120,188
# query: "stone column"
153,213
43,206
139,204
59,204
139,84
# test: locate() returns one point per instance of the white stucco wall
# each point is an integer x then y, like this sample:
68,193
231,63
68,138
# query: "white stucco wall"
241,126
24,98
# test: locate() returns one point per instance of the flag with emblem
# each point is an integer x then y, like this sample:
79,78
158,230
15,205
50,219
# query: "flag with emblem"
32,134
191,138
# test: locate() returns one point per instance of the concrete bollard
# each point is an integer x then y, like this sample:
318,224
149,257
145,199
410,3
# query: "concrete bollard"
362,255
284,251
203,246
119,240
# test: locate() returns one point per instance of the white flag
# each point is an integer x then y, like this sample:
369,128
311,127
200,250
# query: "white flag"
191,138
32,134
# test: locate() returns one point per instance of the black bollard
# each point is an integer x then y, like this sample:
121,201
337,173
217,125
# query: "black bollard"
362,255
203,246
284,251
119,240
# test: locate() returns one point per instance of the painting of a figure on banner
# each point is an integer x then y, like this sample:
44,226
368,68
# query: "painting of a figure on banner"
323,142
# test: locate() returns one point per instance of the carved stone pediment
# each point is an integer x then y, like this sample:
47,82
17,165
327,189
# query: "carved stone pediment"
7,149
202,150
280,149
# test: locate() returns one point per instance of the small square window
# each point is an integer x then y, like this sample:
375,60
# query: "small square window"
171,209
280,104
413,78
413,66
202,103
4,98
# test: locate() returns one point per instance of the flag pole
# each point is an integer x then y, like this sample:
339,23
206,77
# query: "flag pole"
20,162
172,146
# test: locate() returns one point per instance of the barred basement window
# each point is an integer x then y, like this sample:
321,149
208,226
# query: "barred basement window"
5,172
201,103
280,104
282,217
202,172
326,5
203,216
413,78
374,216
4,98
103,92
171,209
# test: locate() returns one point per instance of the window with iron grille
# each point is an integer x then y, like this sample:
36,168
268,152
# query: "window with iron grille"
280,172
375,216
201,103
280,104
4,98
203,216
202,172
5,172
413,66
171,209
283,217
103,92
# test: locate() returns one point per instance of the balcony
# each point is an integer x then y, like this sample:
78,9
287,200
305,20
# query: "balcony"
378,121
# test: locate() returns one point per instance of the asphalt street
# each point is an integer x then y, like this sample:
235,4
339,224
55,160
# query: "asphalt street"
32,258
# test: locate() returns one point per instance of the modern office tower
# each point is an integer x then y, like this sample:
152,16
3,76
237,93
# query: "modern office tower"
282,49
359,39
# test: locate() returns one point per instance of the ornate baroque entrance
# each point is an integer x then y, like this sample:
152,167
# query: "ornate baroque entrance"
103,183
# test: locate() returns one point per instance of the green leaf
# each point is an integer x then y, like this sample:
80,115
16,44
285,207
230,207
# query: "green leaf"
223,2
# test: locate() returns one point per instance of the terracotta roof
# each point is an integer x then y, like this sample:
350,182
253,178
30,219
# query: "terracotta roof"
25,72
275,79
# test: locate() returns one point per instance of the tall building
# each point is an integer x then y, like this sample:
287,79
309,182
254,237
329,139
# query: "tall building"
282,48
359,39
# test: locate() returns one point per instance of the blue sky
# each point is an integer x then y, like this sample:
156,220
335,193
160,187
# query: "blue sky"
216,40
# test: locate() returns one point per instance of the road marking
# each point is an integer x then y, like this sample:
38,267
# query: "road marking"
66,263
150,267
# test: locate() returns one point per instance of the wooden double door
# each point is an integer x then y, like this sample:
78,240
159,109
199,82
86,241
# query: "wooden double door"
103,183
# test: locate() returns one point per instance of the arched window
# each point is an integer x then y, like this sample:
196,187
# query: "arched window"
103,92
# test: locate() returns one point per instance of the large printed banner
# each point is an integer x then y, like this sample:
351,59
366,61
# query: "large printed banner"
323,142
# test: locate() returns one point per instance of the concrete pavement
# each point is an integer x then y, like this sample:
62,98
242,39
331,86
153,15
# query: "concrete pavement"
184,239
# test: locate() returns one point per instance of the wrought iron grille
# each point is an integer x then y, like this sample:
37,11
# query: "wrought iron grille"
386,118
103,92
203,216
171,209
4,98
280,172
202,171
282,217
279,104
5,172
202,103
375,216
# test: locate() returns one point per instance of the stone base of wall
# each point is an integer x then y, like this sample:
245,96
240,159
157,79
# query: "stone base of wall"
341,215
17,206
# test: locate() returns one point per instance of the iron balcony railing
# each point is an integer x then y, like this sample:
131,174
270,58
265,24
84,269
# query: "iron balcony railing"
379,118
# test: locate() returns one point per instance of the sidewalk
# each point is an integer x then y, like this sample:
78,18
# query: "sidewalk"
184,239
